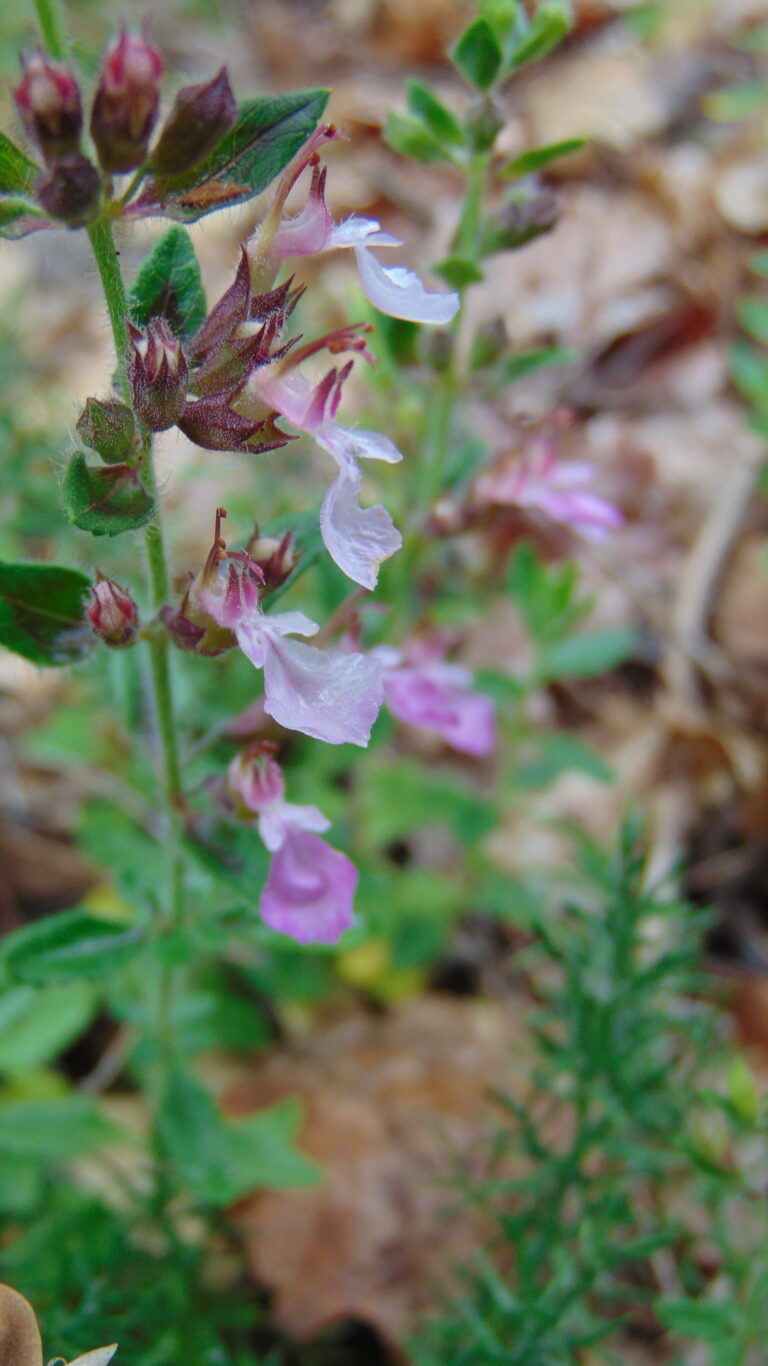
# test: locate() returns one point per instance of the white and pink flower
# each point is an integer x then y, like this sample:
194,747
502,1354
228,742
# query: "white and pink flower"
357,538
310,890
329,695
392,289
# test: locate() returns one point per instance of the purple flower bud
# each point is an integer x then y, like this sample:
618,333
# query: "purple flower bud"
157,373
48,100
113,614
212,424
126,102
256,781
70,190
200,117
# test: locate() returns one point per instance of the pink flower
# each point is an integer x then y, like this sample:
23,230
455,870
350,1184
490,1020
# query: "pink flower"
357,538
310,891
434,695
394,289
332,696
541,481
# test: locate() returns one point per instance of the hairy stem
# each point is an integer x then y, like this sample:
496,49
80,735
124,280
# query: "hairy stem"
108,265
50,19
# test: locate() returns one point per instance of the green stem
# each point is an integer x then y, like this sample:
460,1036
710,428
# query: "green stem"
441,408
51,21
108,265
467,237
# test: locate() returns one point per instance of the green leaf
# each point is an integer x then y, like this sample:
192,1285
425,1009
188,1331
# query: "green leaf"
458,272
549,25
127,852
17,172
36,1025
169,284
711,1321
588,655
264,1153
754,40
752,313
759,263
42,612
69,945
18,215
410,138
268,132
730,106
54,1129
502,15
556,754
516,367
401,797
440,122
108,427
217,1161
748,369
477,55
105,501
21,1185
542,156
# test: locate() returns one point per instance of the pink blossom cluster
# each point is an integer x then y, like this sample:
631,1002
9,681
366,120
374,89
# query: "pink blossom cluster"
541,481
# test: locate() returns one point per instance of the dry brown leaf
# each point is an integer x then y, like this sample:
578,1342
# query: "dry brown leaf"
393,1103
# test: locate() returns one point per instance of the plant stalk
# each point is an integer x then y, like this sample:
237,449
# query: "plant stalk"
50,19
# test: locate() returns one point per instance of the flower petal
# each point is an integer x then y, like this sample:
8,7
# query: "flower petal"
400,293
357,231
310,890
356,443
275,822
98,1356
421,697
331,696
291,624
358,539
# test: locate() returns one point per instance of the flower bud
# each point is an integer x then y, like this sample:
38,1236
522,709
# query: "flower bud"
525,216
200,117
157,374
48,100
126,101
113,614
70,190
254,780
109,428
489,343
484,122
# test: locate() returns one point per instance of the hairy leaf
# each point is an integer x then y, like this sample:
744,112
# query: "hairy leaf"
169,284
268,132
